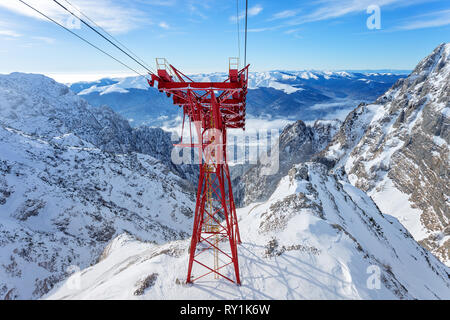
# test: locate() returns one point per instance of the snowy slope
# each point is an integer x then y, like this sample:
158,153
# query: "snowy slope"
39,106
77,192
397,149
67,187
62,200
317,237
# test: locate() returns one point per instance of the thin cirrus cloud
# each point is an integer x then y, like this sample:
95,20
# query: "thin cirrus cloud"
264,29
162,3
284,14
331,9
295,33
111,15
253,11
8,30
261,29
10,33
46,40
429,20
322,10
164,25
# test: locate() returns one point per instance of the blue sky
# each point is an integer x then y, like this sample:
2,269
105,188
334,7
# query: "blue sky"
200,35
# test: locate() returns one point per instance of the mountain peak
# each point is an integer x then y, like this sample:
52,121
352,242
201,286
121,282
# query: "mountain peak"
435,62
396,150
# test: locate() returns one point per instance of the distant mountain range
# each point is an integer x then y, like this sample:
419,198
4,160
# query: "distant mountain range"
306,95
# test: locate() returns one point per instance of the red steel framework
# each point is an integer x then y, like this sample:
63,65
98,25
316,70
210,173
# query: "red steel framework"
213,107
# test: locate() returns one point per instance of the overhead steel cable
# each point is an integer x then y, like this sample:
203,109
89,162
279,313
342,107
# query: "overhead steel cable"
81,38
238,30
245,50
100,34
109,34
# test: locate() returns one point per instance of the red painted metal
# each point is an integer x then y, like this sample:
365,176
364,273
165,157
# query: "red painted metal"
213,107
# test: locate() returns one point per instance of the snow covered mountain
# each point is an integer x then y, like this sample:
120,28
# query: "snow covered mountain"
297,143
397,150
306,95
317,237
37,105
67,187
92,208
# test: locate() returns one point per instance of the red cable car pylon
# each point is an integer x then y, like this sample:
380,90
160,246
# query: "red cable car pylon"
213,107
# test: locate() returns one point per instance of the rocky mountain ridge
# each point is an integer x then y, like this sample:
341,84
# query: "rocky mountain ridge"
297,143
49,109
397,150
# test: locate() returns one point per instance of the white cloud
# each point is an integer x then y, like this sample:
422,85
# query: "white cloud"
163,3
164,25
259,29
10,33
291,31
114,16
264,29
330,9
429,20
284,14
47,40
295,33
253,11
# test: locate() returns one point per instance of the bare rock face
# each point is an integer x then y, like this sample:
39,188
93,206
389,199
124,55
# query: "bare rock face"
145,284
297,144
28,209
397,150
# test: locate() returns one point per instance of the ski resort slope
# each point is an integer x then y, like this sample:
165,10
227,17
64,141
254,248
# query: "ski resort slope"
317,237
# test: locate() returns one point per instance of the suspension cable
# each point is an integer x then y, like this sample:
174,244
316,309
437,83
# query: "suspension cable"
81,38
246,15
110,35
238,31
95,30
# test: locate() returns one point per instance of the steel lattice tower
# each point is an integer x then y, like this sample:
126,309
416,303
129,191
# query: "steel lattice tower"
213,107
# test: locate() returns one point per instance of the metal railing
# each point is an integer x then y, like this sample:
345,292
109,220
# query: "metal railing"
234,63
163,64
